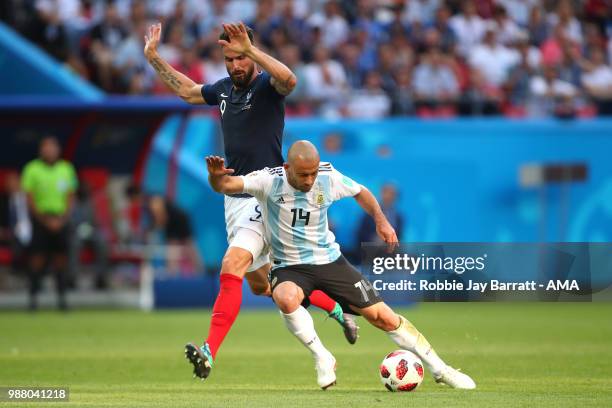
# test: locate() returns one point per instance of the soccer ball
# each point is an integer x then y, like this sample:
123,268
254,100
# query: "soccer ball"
401,371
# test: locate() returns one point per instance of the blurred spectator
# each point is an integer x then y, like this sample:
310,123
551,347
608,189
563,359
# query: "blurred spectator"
103,43
549,95
527,50
190,65
370,102
402,101
593,38
214,65
388,204
49,29
491,59
87,234
218,12
180,17
294,25
552,48
15,223
597,81
565,19
332,24
447,37
519,10
387,64
480,96
332,143
468,27
538,29
396,25
519,78
325,81
507,29
571,65
170,50
366,23
349,57
138,13
265,21
421,11
50,184
135,73
434,83
161,217
290,55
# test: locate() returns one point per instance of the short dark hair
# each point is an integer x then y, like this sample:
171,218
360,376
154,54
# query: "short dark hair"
225,37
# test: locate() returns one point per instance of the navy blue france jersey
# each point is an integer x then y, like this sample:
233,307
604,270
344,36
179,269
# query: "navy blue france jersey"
252,120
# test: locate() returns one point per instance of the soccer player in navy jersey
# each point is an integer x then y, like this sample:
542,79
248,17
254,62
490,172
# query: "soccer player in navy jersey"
251,103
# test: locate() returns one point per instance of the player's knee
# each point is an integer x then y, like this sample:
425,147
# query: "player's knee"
287,298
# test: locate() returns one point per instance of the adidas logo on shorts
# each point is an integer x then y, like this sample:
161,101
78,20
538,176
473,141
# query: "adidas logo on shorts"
281,200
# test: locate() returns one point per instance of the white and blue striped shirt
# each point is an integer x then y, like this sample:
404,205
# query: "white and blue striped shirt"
296,222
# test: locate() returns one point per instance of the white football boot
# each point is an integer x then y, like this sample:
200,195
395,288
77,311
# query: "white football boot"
455,379
326,371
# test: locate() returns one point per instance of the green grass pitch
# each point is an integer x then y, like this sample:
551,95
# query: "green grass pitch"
520,354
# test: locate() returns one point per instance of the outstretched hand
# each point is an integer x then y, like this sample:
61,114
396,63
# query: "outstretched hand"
152,39
238,38
387,233
216,166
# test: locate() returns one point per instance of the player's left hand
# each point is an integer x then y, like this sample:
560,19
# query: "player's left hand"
387,233
239,39
216,166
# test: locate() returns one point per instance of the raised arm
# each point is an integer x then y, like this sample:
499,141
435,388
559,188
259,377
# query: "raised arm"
219,177
367,201
179,83
283,79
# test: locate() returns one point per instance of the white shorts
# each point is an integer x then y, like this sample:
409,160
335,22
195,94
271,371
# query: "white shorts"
245,229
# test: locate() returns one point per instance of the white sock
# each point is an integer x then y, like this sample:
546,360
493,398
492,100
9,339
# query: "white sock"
409,338
301,325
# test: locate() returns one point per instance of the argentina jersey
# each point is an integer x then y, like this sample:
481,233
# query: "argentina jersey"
296,222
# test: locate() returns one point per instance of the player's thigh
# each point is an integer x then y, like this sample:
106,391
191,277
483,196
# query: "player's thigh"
284,282
243,220
245,254
258,281
345,284
242,213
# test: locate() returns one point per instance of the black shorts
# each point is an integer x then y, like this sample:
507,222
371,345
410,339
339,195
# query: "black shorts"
339,280
45,241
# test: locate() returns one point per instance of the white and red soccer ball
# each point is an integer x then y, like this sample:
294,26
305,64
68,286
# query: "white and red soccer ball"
401,371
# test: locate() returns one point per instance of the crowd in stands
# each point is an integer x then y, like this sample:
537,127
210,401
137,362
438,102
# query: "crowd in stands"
356,58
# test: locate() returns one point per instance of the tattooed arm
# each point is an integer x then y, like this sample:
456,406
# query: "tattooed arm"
180,84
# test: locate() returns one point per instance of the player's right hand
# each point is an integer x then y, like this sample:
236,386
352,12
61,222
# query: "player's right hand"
387,234
216,166
152,39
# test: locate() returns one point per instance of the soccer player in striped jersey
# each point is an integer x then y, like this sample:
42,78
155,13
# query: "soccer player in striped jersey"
252,109
294,201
